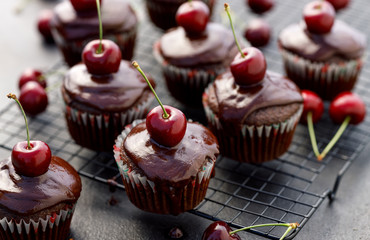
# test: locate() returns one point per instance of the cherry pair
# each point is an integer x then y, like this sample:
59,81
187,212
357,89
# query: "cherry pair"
345,108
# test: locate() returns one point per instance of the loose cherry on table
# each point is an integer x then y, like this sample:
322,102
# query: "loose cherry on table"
193,16
319,16
345,108
260,6
339,4
33,98
258,32
43,25
84,5
30,158
32,75
166,125
249,65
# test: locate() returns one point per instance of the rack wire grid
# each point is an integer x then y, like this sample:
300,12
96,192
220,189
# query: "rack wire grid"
287,189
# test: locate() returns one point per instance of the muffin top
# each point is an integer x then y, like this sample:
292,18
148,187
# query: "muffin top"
273,100
342,43
214,46
177,165
23,195
114,92
117,16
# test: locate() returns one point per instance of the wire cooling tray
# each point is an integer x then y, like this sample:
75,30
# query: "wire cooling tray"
288,189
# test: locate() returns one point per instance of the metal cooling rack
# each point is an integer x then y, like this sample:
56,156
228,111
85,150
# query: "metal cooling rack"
288,189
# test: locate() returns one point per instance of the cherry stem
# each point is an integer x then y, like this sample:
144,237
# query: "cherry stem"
312,134
12,96
227,9
289,225
335,139
136,65
99,50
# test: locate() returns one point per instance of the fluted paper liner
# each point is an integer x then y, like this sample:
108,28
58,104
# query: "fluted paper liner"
326,79
253,144
148,196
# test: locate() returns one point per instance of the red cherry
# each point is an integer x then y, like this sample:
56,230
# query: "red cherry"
319,16
33,98
258,32
347,104
31,74
84,5
31,162
219,230
339,4
250,69
311,103
166,131
43,25
260,6
105,62
193,16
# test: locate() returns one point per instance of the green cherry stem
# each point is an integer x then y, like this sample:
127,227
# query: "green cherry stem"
290,226
227,9
312,134
136,65
12,96
99,50
335,139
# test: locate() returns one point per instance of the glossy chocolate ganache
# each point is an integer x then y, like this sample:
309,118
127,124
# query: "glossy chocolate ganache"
175,166
342,42
24,196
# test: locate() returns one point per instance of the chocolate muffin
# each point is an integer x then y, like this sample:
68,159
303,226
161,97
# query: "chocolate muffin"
253,123
98,107
72,30
324,63
38,207
166,180
190,63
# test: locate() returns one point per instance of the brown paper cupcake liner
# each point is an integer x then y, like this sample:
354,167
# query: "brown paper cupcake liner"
53,227
98,131
253,144
186,84
326,79
148,196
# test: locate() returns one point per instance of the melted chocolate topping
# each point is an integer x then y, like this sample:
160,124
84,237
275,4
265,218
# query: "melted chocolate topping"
237,102
110,93
117,16
341,42
216,45
176,165
27,195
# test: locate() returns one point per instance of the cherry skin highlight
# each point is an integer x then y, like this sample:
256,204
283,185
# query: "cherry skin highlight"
31,74
260,6
347,104
319,16
339,4
43,25
258,32
219,230
311,103
193,16
33,98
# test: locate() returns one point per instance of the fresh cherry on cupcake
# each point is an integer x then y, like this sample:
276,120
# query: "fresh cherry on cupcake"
166,125
260,6
258,32
193,16
319,16
220,230
249,65
33,98
84,5
345,108
101,56
33,75
43,25
30,158
339,4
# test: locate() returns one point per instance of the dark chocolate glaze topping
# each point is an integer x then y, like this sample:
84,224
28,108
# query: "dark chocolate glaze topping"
109,93
215,45
28,195
342,42
117,16
176,165
237,102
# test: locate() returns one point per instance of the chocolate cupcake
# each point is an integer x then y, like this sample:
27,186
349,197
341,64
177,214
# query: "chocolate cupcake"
165,180
163,12
98,107
72,29
38,207
326,63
